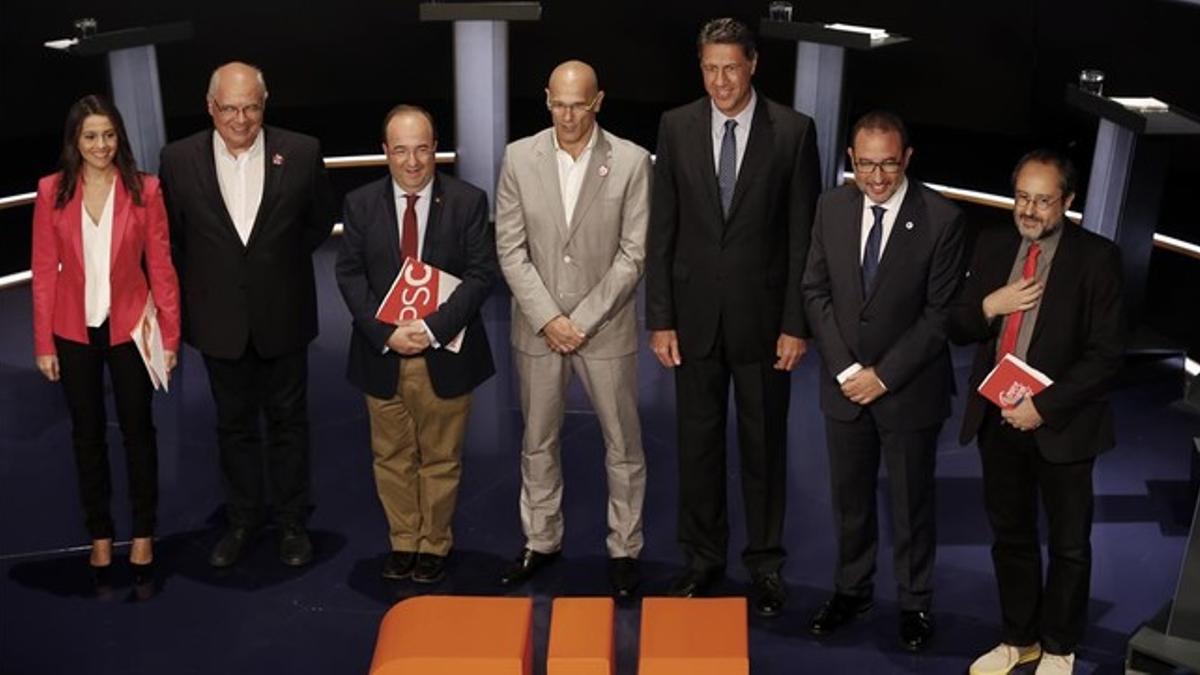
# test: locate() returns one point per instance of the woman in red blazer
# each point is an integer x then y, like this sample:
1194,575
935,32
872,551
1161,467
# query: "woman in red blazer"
99,231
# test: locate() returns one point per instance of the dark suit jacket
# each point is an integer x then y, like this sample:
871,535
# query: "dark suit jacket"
900,327
1078,341
739,275
262,292
457,240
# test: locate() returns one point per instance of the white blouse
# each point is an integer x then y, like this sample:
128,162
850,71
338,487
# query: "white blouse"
97,253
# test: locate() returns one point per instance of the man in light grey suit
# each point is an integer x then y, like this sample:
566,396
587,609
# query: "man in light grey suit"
571,216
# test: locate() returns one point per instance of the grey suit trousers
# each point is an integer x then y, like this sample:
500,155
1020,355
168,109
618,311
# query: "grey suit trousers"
611,384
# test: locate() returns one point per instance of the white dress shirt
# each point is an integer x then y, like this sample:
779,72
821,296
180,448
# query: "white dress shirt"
424,196
741,133
571,171
891,208
241,180
97,255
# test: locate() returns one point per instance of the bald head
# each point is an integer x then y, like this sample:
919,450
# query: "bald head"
574,74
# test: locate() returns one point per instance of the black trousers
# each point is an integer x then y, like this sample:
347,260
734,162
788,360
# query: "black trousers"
248,390
81,370
1014,473
854,453
761,395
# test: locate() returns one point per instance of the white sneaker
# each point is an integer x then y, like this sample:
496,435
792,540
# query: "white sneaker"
1004,658
1056,664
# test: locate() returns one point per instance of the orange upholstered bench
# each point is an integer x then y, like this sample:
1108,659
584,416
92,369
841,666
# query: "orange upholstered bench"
445,635
694,636
581,637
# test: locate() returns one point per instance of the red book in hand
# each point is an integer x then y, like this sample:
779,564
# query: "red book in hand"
417,291
1011,381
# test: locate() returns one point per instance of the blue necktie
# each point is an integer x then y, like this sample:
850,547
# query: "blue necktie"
870,261
727,166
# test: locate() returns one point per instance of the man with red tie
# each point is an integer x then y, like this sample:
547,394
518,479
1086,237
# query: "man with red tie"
1049,293
418,390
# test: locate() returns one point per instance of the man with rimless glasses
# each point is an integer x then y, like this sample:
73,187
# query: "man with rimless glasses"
571,213
248,205
884,263
1049,293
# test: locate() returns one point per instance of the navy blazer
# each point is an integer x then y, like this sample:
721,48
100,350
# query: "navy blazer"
899,328
739,275
1078,341
458,240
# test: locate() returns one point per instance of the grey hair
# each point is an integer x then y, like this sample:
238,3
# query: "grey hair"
215,79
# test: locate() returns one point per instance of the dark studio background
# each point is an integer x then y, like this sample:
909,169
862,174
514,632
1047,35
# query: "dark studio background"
980,83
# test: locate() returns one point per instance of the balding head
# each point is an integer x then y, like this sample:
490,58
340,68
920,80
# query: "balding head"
573,97
236,70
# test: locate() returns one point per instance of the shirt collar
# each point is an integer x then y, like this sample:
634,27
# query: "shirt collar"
1049,242
743,118
256,148
892,205
399,192
587,148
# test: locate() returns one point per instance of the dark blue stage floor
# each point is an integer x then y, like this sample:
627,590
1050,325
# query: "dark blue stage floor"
264,618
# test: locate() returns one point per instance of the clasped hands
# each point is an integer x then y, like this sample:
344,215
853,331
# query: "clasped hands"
562,335
863,387
1024,416
409,338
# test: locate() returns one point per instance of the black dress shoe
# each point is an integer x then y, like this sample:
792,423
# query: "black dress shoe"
769,594
429,569
916,630
525,566
398,565
693,582
295,548
230,548
839,611
623,574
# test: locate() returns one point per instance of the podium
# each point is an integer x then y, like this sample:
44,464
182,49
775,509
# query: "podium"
481,82
1172,638
820,66
133,78
1125,185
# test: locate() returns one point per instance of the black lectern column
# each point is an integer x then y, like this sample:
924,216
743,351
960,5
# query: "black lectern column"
820,61
1125,185
481,82
133,77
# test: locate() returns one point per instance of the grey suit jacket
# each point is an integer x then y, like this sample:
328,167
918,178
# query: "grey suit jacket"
587,270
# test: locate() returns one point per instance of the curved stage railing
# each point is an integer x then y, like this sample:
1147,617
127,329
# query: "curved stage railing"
1161,241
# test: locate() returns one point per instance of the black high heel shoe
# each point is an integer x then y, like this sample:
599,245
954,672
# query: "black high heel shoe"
143,573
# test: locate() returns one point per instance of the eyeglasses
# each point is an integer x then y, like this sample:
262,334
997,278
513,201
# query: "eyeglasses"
1040,202
231,111
560,108
866,166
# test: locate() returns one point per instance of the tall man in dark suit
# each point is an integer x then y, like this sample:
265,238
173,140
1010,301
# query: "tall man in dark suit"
248,206
885,261
416,381
1049,292
735,182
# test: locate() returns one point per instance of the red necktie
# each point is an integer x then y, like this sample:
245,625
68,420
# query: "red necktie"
1008,339
408,240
